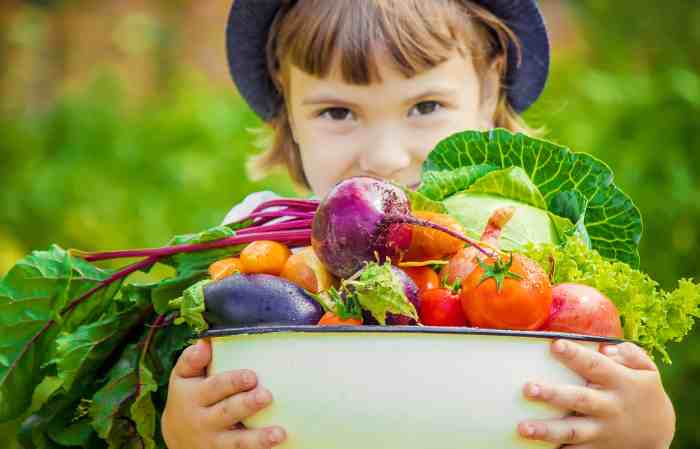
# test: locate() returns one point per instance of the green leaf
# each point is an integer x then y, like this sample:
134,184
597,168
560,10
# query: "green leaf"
165,291
420,202
142,411
188,264
72,433
512,183
439,181
79,354
33,293
120,388
192,306
379,290
572,205
612,221
165,347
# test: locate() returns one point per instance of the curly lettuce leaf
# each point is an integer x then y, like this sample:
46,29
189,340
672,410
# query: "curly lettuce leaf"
612,221
650,316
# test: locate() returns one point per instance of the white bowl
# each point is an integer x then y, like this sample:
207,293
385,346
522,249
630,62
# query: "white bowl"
396,387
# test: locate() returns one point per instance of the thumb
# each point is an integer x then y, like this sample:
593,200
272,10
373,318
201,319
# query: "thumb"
194,360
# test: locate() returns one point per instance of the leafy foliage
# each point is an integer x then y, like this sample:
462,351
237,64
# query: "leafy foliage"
612,221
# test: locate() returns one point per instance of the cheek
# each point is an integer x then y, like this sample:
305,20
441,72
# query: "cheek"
325,162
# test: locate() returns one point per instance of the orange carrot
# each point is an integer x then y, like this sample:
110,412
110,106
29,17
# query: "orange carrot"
331,319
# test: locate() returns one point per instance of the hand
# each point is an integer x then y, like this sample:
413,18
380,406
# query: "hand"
623,405
206,413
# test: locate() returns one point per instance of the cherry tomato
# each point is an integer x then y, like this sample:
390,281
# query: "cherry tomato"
224,267
330,319
431,244
521,302
264,256
441,307
425,278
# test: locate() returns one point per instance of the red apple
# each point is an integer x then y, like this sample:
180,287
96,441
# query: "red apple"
581,309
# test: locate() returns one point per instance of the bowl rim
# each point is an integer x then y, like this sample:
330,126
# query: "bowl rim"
461,330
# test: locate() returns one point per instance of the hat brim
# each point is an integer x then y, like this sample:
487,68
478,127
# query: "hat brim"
249,23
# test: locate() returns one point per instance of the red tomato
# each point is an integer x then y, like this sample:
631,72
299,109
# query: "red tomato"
441,307
520,304
425,278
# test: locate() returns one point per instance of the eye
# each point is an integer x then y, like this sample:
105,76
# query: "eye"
337,114
424,108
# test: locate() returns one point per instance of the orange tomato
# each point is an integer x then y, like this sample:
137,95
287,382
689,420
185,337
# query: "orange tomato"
330,319
429,244
425,278
520,304
224,267
264,256
306,270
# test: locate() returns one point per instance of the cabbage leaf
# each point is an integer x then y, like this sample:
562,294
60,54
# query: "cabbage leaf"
576,186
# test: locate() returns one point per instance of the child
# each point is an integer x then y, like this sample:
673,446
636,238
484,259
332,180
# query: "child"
354,87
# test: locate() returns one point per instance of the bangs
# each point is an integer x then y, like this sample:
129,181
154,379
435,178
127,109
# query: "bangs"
315,35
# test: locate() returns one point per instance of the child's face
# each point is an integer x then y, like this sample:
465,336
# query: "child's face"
385,129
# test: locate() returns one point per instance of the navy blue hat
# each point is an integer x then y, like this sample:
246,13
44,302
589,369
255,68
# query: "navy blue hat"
250,20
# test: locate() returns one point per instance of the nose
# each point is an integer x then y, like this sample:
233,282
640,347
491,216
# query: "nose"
385,153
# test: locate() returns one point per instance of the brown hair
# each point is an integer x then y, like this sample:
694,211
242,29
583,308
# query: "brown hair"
417,34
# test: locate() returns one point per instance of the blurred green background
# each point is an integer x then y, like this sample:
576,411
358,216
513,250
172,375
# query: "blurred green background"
119,128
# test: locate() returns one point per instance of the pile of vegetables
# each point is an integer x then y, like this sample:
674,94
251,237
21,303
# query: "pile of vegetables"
504,231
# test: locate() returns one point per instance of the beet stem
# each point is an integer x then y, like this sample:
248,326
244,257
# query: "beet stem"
311,205
284,226
281,214
295,235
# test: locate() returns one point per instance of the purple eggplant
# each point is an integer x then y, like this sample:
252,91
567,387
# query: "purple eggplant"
244,300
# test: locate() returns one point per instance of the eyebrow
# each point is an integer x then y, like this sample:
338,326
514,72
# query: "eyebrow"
331,99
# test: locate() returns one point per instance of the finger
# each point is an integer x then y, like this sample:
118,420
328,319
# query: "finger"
570,430
591,365
251,438
230,411
586,401
221,386
630,355
193,361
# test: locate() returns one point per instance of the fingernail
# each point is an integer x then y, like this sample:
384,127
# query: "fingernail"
262,397
560,346
611,350
528,430
534,390
275,436
247,377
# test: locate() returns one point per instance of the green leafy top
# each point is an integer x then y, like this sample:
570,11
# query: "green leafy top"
573,185
379,291
498,271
